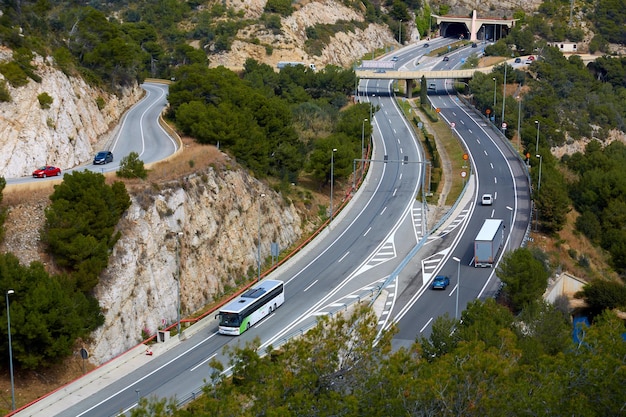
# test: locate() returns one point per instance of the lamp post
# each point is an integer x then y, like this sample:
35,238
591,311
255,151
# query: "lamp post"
494,99
178,235
362,144
503,97
519,123
332,179
539,181
458,286
400,33
10,292
258,253
510,224
538,189
537,141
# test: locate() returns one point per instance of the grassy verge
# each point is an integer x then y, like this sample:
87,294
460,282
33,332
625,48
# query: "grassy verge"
448,148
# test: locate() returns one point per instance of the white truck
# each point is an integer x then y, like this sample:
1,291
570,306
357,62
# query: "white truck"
283,64
488,242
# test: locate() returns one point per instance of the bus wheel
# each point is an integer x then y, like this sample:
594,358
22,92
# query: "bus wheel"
248,326
270,309
275,306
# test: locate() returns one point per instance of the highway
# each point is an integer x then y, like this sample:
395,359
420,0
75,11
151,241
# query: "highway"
496,170
353,257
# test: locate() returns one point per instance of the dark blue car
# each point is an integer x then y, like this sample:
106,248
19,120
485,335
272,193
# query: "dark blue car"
440,282
103,157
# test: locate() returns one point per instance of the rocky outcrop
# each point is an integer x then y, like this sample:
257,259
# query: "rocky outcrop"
218,214
67,133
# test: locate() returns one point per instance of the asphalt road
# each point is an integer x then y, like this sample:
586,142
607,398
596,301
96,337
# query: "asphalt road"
348,260
363,247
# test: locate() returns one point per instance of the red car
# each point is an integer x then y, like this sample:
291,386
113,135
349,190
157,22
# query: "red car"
47,171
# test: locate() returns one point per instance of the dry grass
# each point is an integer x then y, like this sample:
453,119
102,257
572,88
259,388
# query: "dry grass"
571,251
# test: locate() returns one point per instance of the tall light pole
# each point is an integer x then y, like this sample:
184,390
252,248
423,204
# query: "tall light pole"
332,179
400,33
503,97
537,141
178,235
494,99
10,292
538,189
510,224
539,181
519,123
258,253
458,286
362,145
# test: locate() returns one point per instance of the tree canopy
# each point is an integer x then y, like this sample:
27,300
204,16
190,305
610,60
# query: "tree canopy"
80,224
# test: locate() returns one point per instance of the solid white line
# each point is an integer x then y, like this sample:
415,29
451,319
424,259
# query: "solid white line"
342,258
203,362
146,376
312,284
426,325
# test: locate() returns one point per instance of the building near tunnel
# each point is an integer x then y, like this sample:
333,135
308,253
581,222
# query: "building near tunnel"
474,28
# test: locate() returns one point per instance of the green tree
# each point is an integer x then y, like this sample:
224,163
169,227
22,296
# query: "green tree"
524,277
80,224
132,167
601,295
48,313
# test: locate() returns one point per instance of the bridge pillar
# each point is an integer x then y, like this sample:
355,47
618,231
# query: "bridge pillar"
409,87
473,28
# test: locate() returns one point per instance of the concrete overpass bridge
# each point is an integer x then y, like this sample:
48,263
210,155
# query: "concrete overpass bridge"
474,28
410,77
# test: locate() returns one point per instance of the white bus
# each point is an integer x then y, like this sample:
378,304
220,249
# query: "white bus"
250,307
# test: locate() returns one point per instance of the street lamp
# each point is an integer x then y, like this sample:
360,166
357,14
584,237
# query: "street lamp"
332,178
510,224
362,143
10,292
519,122
259,246
494,99
503,97
458,286
539,181
400,33
537,141
538,189
178,235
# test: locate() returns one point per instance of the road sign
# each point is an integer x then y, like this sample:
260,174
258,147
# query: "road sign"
463,174
438,110
465,157
488,111
503,125
452,125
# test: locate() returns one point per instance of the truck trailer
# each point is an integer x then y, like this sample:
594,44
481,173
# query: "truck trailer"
488,242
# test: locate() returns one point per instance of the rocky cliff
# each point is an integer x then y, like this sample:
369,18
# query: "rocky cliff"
67,133
210,223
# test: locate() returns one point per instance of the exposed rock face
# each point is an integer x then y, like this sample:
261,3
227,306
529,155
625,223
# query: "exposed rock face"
218,216
343,49
66,134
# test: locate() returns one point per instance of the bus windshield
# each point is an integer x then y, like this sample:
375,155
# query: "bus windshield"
230,319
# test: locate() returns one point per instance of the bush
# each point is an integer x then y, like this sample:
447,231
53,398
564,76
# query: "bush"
132,167
45,100
5,95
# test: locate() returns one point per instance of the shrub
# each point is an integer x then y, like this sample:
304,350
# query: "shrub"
45,100
5,95
132,167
